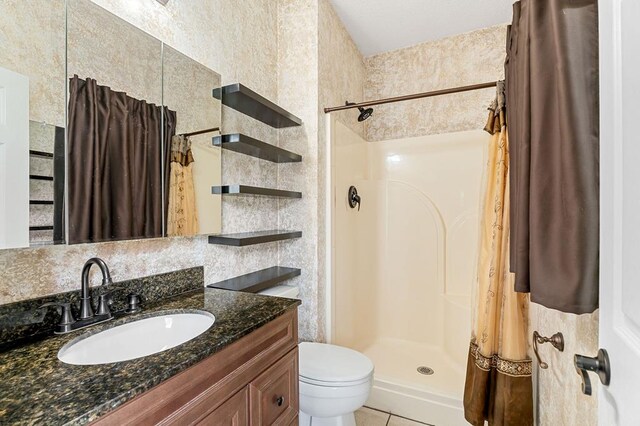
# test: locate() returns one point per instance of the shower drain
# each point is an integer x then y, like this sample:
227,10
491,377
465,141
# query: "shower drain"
425,370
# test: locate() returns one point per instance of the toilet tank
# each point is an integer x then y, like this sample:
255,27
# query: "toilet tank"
290,292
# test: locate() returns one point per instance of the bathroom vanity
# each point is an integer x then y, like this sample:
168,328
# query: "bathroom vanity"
243,370
253,381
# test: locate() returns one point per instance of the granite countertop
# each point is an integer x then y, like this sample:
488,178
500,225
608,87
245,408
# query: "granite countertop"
37,388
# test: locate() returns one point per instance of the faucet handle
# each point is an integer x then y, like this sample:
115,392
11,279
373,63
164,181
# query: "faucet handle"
66,318
104,301
133,302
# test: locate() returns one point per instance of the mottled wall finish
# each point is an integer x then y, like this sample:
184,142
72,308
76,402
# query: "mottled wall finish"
245,53
298,92
341,69
470,58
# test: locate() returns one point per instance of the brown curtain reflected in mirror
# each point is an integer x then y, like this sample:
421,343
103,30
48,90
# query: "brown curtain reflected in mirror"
115,164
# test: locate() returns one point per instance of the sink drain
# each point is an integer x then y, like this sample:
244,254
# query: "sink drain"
425,370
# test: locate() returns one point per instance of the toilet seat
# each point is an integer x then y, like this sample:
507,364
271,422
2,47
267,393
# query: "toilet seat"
327,365
334,384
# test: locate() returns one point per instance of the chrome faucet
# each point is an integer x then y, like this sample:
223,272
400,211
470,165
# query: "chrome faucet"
86,311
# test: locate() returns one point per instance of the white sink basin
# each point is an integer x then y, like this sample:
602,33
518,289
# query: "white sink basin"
136,339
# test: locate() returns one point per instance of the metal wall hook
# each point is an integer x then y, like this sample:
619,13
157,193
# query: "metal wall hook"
557,341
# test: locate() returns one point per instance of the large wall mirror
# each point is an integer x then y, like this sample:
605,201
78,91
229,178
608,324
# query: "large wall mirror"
112,144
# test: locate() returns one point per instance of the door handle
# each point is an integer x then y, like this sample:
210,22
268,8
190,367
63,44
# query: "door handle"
599,365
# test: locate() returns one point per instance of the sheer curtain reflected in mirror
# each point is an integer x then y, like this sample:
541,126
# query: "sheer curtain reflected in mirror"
193,163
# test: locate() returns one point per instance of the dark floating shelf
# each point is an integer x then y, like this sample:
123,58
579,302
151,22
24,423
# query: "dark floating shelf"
244,144
38,177
250,238
42,154
41,228
250,103
41,202
240,190
259,280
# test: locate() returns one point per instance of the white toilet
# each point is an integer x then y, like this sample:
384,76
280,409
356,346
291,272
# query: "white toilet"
334,381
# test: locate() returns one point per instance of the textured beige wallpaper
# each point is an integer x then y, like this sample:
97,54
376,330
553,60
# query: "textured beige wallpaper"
341,69
469,58
298,92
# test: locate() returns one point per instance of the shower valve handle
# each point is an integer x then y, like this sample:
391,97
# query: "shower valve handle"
353,197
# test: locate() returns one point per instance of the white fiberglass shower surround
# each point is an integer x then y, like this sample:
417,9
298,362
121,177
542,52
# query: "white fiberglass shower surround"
402,267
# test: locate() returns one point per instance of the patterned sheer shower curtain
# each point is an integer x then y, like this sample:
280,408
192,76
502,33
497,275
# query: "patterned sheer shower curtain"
182,219
498,385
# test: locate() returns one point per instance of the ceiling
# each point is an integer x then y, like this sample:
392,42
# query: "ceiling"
379,26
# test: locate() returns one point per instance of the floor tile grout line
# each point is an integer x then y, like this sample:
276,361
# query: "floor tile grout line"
375,409
389,415
411,420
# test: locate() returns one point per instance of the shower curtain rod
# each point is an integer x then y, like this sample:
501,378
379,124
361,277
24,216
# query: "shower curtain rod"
414,96
201,132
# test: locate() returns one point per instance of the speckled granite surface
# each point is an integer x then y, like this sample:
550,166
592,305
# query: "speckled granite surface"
37,388
25,320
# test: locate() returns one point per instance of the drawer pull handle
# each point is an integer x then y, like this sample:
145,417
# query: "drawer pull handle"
280,401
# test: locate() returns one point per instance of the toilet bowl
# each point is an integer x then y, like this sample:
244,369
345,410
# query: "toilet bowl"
334,381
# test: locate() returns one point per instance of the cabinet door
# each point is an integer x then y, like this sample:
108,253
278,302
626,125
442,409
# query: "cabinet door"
274,394
234,412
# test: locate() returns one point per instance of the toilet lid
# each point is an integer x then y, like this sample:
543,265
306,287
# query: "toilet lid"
320,362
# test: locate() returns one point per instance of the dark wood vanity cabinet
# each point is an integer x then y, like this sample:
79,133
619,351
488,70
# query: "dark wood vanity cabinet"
273,396
253,381
233,412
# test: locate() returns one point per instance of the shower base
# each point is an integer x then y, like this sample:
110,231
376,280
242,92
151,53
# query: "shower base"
400,389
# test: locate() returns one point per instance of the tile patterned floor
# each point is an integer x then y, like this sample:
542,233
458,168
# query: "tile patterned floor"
370,417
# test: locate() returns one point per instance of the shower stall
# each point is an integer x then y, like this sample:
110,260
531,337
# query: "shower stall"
403,262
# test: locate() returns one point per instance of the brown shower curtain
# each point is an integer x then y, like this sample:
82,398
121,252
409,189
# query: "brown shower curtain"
498,383
114,164
552,105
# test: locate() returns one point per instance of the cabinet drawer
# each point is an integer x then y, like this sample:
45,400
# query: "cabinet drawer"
234,412
273,395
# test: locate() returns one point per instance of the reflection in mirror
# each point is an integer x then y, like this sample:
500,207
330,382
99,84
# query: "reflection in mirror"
46,183
116,127
193,164
32,97
137,136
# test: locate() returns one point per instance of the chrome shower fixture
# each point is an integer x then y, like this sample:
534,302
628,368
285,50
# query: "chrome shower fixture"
364,113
